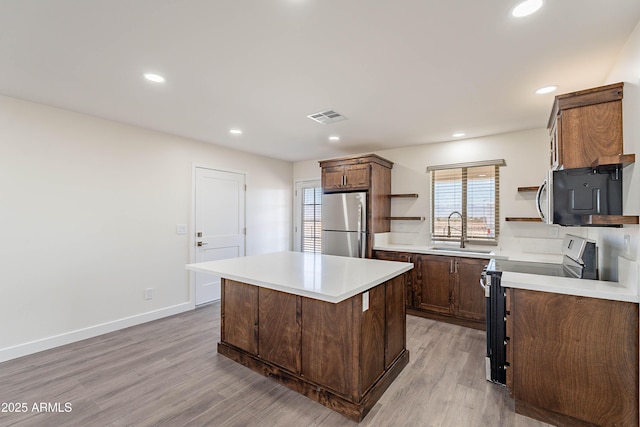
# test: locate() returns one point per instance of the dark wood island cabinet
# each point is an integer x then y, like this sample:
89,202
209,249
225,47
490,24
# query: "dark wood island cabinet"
337,337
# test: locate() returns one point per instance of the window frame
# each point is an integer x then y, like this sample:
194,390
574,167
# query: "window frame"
298,229
493,241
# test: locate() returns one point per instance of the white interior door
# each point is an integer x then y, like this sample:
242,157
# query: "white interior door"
219,224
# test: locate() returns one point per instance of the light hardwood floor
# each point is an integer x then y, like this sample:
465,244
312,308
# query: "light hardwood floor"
168,373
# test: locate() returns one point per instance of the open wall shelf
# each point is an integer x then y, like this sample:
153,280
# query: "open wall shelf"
621,159
522,219
405,218
407,195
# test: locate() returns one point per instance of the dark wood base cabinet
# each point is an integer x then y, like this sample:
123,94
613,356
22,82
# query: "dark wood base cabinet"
336,354
573,360
443,288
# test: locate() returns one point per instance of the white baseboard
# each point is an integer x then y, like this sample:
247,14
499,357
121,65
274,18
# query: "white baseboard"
90,332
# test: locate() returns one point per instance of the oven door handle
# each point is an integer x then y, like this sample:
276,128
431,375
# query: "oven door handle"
483,277
486,286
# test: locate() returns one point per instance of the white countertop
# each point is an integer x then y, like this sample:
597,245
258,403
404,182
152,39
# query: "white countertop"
440,250
626,289
568,286
383,242
324,277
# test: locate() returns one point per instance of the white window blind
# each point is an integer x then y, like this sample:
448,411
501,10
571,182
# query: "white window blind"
465,199
311,219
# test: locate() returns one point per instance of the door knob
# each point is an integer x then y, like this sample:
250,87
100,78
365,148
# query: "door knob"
201,244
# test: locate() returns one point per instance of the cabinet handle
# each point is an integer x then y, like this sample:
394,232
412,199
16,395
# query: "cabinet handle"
451,267
456,271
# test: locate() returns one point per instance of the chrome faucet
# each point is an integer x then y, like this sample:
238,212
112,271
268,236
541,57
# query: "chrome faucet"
461,227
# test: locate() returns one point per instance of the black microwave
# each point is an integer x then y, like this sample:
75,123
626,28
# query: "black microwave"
586,191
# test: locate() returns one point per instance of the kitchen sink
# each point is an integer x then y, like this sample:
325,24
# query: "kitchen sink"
465,250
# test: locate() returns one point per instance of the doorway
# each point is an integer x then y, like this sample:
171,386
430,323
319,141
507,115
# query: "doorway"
219,224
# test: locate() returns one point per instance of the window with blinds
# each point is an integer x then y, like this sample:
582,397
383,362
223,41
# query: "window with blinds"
311,219
465,201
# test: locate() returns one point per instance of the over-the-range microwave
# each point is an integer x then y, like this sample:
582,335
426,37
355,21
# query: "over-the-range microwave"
567,196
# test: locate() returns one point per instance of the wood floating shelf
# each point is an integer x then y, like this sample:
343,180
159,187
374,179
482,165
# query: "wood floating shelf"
522,219
408,195
405,218
621,159
610,219
522,189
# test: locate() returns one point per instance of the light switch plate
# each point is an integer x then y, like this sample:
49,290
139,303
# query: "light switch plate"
181,229
365,301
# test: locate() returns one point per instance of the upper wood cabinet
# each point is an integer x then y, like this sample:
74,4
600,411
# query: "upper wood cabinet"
348,177
586,126
355,173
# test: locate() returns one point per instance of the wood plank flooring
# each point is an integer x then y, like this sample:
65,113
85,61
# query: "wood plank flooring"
168,373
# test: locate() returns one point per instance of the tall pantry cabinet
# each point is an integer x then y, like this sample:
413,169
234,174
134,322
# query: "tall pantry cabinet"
370,173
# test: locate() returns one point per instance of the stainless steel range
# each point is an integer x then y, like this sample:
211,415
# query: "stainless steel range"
580,260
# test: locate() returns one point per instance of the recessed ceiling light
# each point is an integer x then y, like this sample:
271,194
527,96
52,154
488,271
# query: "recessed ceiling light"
334,138
526,8
235,131
546,89
154,77
459,134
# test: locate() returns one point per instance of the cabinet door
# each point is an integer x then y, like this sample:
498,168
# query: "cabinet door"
576,356
590,132
395,319
469,299
240,315
433,287
332,178
357,176
409,276
328,330
279,333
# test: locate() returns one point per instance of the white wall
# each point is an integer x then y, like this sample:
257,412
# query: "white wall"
88,214
626,69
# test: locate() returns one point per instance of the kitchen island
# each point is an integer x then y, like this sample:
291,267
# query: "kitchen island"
331,328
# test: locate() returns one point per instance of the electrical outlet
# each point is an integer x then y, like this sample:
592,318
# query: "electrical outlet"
553,231
627,244
148,293
181,229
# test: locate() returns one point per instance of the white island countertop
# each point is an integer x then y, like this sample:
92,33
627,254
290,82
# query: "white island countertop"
323,277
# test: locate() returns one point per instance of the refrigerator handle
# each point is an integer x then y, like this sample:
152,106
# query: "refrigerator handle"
360,247
538,199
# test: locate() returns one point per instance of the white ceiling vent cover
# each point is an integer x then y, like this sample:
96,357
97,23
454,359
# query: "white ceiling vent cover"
326,117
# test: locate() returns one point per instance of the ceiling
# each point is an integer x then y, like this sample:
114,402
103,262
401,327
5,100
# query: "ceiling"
403,72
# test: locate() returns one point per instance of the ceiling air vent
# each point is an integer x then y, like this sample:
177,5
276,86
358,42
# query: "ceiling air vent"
328,116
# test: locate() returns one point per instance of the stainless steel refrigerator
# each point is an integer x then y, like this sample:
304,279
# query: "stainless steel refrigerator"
344,224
